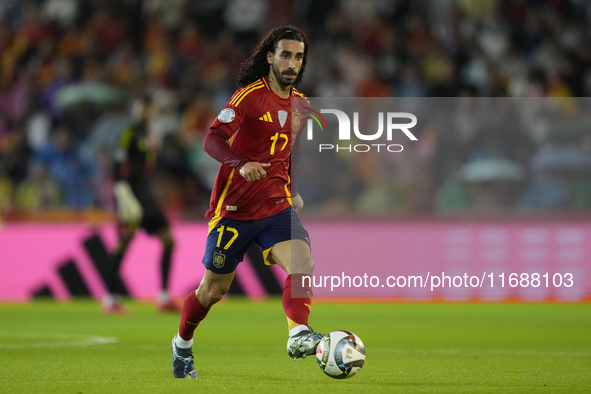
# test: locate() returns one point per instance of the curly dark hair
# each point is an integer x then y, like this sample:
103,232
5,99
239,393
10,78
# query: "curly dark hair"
256,66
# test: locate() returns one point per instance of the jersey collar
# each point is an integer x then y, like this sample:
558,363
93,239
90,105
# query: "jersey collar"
266,82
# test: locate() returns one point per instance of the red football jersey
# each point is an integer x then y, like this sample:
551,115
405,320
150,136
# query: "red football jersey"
262,129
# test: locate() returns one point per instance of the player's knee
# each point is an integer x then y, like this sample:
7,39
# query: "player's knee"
217,294
212,298
212,294
303,266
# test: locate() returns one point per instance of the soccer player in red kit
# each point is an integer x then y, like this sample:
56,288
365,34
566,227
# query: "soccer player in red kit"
254,198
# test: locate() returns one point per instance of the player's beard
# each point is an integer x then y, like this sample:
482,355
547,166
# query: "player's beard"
280,79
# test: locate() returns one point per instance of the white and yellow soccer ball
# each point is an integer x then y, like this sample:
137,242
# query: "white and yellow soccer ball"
340,354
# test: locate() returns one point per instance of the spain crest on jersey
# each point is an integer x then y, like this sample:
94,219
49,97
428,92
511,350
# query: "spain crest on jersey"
296,118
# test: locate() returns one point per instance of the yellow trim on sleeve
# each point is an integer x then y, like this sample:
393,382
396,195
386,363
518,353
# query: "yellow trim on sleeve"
244,92
241,91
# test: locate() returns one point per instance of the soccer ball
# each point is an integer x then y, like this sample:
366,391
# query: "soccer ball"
340,354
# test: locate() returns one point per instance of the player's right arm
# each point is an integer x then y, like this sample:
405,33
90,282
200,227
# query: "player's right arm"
215,143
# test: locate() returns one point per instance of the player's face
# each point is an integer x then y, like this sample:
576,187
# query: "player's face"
286,62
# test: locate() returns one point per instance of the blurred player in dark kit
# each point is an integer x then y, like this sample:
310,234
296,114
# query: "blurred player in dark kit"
137,207
254,199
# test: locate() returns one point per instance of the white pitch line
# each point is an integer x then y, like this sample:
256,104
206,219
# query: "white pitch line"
509,352
61,340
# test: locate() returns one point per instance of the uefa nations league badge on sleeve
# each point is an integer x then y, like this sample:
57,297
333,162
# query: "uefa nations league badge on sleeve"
227,115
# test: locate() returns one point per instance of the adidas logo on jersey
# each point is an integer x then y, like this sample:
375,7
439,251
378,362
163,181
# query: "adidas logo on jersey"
266,117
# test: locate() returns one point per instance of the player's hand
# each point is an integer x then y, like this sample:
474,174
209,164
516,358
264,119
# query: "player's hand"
129,209
297,202
253,171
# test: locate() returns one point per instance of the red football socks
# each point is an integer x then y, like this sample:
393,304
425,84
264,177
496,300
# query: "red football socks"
297,300
191,315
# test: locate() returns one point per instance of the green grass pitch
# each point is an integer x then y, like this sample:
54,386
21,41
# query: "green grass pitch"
50,347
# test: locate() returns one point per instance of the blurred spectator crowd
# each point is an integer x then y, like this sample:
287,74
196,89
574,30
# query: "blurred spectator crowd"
69,70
